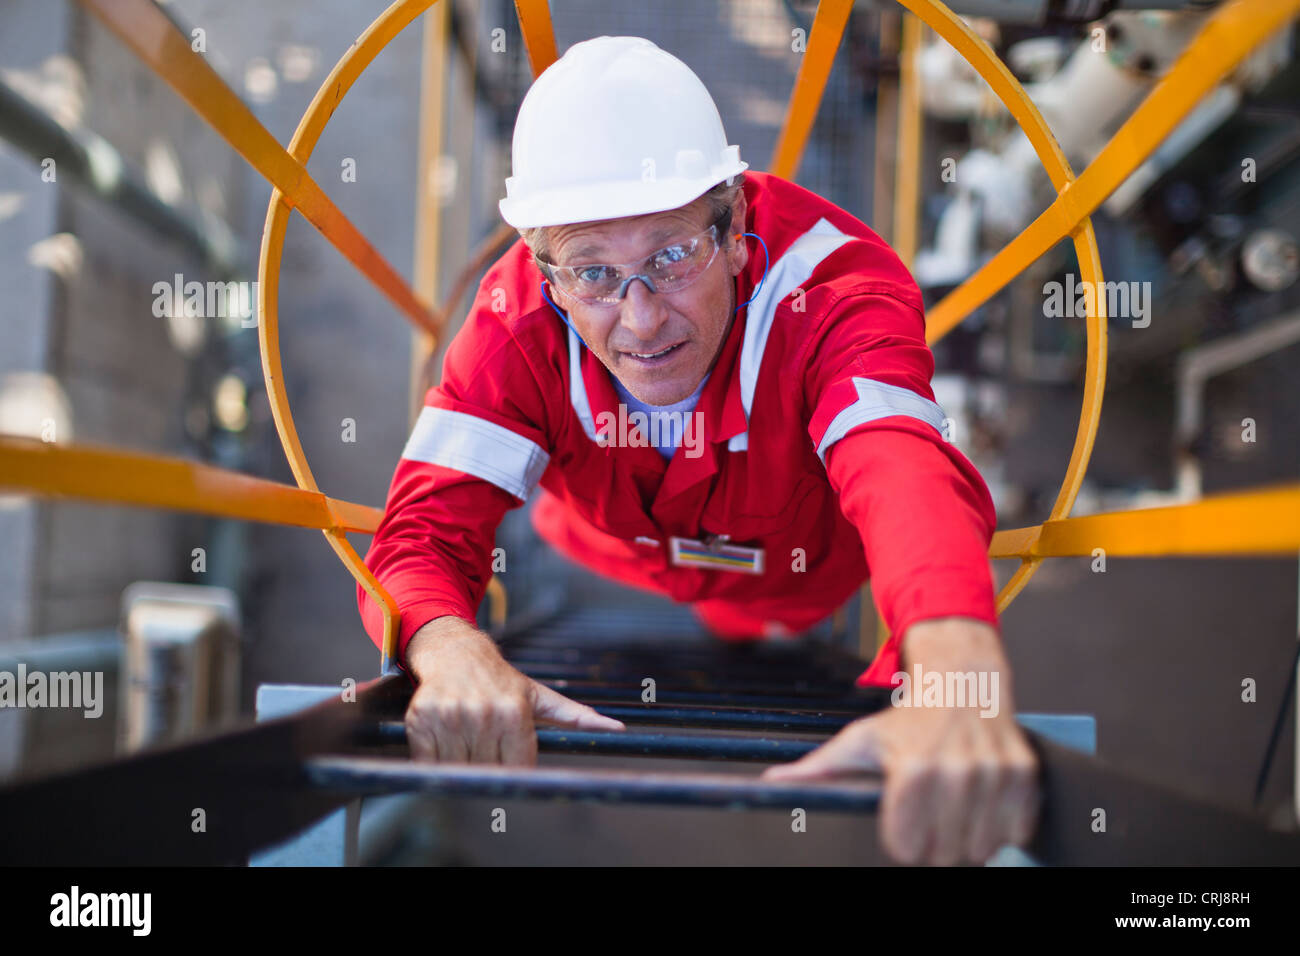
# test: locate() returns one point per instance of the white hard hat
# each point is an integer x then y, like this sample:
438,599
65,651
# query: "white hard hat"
615,127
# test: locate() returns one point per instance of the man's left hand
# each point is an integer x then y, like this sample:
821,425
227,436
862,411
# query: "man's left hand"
958,785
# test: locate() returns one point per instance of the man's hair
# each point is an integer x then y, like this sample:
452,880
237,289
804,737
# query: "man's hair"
720,199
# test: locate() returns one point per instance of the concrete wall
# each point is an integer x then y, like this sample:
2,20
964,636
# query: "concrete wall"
83,318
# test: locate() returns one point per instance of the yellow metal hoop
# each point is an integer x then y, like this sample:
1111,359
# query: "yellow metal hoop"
377,36
1013,96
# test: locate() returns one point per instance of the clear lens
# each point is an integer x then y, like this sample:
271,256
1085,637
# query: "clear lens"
669,270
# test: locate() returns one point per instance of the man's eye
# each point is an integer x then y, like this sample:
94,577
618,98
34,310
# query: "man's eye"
594,274
671,255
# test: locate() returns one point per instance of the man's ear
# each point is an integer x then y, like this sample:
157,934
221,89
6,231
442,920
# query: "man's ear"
737,245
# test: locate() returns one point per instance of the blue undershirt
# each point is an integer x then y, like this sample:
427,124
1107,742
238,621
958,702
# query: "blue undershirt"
665,420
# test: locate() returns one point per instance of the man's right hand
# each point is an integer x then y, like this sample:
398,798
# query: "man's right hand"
471,706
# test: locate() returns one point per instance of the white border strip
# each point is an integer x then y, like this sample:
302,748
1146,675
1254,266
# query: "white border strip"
786,274
880,400
578,387
477,447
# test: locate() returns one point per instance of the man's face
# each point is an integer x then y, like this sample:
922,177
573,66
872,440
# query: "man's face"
658,345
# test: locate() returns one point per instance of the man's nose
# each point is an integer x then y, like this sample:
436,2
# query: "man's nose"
642,312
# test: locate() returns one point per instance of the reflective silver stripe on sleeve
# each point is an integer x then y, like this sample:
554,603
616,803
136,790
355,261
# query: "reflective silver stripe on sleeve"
477,447
786,274
879,400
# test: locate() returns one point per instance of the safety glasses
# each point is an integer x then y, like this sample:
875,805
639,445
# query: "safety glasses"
669,270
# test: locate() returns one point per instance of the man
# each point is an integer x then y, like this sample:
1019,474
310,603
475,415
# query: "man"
803,449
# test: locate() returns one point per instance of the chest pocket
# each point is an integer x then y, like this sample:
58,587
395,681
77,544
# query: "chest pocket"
754,500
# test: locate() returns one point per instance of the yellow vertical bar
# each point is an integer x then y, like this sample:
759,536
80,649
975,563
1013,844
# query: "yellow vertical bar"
906,127
428,203
907,169
827,29
882,184
539,34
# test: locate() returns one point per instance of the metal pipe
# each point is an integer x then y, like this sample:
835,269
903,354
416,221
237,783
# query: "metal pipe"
706,651
103,474
1259,521
1197,366
1040,12
589,692
741,659
613,743
907,172
733,719
697,678
428,204
701,747
375,775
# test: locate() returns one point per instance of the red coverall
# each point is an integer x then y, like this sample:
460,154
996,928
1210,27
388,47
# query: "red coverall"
822,445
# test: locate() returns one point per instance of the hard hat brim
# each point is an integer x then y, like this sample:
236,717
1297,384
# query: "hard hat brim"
597,202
